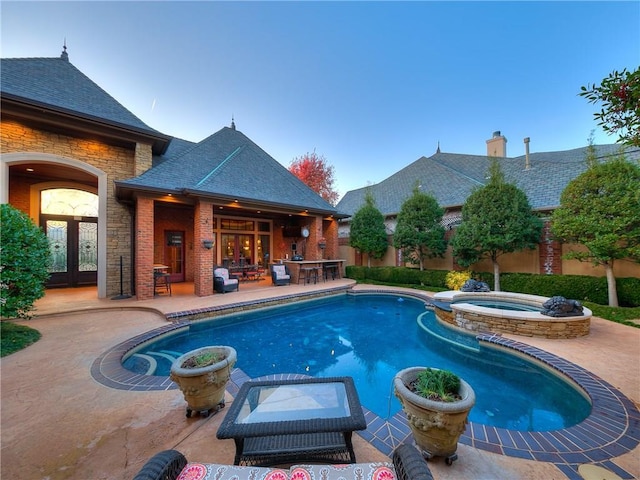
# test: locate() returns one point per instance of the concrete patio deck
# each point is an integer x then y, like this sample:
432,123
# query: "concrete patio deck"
59,423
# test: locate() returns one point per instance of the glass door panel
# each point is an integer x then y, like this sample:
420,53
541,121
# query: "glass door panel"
73,244
57,234
246,250
87,246
263,250
228,250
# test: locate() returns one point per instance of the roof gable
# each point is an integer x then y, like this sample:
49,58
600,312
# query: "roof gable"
57,83
228,164
451,178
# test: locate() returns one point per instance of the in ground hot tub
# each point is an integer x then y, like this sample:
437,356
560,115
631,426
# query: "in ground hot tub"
507,312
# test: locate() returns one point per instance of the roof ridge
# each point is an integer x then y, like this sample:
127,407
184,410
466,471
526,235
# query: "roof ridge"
443,165
220,165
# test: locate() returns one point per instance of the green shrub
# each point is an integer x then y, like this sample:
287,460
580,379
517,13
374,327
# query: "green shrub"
398,276
576,287
24,257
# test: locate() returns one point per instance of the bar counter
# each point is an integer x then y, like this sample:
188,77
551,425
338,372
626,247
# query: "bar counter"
295,266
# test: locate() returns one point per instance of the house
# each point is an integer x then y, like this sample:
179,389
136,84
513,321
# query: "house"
451,177
116,197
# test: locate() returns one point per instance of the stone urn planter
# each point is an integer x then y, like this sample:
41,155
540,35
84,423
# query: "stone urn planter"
202,376
436,425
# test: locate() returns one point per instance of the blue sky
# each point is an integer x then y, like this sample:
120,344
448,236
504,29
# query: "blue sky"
371,86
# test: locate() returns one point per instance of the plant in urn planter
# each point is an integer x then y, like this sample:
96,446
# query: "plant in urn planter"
202,376
437,404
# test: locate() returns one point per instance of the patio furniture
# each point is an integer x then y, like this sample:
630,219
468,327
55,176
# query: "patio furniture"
332,269
161,279
307,274
280,275
407,464
224,282
284,421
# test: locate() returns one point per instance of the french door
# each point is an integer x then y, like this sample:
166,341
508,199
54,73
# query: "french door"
237,249
73,243
174,254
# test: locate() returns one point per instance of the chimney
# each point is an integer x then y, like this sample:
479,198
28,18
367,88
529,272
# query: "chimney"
497,146
527,163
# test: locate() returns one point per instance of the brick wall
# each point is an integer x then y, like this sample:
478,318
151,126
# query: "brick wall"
204,259
175,219
144,254
550,251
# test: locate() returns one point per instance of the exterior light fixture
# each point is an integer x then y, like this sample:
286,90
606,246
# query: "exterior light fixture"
208,243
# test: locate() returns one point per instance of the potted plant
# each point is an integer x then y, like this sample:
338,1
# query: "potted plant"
202,376
437,404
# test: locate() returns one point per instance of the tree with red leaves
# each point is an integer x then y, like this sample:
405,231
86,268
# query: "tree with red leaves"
619,94
314,170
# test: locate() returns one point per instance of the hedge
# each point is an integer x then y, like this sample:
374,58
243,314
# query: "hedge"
576,287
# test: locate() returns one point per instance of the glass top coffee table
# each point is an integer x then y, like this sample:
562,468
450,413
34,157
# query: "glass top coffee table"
288,421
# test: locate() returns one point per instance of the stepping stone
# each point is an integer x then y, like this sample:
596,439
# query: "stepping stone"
594,472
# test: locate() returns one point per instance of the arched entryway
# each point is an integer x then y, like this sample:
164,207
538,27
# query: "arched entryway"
69,218
24,176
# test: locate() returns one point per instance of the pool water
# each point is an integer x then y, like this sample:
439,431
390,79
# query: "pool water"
371,338
516,307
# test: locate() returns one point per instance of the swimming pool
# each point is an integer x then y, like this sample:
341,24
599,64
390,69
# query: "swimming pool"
370,338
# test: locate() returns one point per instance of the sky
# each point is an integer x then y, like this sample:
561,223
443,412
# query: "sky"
370,86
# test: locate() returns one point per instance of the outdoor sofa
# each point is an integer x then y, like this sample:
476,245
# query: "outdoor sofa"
408,464
224,282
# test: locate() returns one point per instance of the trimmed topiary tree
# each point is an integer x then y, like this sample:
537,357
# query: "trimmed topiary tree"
600,210
24,258
497,219
419,233
368,232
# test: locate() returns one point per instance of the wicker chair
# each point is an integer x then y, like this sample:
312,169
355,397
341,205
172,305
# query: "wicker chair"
280,274
224,282
407,464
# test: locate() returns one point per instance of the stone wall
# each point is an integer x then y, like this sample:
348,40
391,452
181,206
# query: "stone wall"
117,162
543,327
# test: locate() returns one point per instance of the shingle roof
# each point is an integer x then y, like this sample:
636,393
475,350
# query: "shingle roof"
451,177
228,164
56,83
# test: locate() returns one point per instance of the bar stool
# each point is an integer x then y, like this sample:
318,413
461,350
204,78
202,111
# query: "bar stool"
308,272
318,274
161,281
333,269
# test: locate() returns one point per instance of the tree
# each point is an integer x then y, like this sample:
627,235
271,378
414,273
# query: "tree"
620,97
419,233
368,232
496,219
24,257
600,209
314,171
